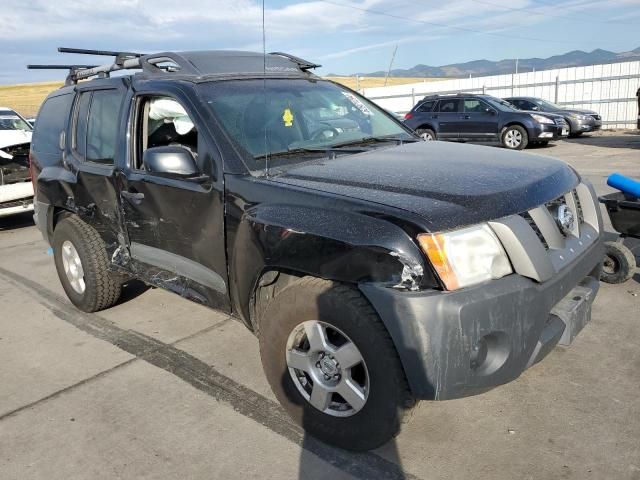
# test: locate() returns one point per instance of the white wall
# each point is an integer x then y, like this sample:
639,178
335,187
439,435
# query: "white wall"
608,89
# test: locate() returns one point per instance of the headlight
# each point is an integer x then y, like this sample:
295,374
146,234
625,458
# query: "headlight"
579,117
542,119
466,257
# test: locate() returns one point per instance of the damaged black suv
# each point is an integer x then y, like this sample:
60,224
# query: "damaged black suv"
375,269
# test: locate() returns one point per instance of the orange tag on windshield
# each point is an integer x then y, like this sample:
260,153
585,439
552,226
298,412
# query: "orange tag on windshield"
287,118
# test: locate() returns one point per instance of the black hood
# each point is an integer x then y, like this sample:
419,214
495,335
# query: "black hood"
449,185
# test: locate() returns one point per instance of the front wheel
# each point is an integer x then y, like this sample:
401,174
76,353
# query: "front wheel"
83,266
514,137
332,365
619,263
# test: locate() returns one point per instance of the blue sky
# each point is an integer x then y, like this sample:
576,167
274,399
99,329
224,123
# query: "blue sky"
346,36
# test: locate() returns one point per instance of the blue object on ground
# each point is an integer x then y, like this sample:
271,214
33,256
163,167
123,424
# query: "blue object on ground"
624,184
49,251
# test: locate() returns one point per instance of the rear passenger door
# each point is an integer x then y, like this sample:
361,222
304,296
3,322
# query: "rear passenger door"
92,151
449,117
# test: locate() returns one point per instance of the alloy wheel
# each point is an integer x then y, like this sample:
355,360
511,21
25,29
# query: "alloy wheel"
327,368
73,267
513,138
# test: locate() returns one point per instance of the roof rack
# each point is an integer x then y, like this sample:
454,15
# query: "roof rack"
304,65
151,64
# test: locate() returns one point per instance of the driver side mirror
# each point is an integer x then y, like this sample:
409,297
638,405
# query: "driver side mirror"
490,111
535,107
173,161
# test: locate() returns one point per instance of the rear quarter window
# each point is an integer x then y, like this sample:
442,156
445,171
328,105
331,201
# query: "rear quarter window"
52,120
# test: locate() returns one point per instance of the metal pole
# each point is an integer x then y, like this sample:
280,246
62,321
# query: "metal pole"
413,96
557,88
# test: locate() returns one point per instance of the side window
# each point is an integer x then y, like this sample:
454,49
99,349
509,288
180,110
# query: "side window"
519,104
425,106
80,132
473,105
527,105
52,120
450,105
161,122
102,126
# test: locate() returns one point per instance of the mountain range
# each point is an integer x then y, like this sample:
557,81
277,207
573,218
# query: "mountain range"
575,58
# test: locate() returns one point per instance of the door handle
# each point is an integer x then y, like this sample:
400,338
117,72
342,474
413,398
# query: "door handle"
133,197
434,116
467,117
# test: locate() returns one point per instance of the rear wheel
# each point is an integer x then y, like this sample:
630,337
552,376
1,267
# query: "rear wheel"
332,365
619,263
83,266
426,134
514,137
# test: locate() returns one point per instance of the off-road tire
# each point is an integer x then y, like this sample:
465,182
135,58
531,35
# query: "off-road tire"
519,129
341,306
426,132
102,287
619,263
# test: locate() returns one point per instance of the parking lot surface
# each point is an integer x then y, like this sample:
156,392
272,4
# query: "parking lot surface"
158,387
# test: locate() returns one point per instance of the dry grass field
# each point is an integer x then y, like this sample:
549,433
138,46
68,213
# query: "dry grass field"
371,82
26,98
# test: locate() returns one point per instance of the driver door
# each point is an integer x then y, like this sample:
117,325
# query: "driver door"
175,223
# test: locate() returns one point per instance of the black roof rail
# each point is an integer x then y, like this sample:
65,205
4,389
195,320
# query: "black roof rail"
304,65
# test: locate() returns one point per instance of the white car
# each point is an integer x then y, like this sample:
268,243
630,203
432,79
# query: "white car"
16,189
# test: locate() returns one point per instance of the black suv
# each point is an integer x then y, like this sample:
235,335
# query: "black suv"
579,121
375,269
482,118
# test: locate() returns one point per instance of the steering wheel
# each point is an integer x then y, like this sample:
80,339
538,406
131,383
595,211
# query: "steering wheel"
325,133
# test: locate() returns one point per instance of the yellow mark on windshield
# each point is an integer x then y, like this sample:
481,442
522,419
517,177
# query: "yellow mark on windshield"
287,118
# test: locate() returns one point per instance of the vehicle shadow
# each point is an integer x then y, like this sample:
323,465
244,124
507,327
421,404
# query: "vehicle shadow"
623,140
14,222
132,290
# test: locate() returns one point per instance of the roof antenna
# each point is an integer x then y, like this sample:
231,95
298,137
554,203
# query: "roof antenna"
264,92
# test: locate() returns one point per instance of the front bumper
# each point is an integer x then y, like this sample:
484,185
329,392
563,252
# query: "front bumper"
548,132
519,319
589,125
16,198
16,207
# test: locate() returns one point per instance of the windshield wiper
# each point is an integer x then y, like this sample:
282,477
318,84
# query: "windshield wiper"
383,139
301,150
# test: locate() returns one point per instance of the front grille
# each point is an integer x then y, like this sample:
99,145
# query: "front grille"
579,212
23,202
535,228
596,117
560,121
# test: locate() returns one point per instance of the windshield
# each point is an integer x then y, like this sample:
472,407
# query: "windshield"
12,121
500,104
280,121
547,105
